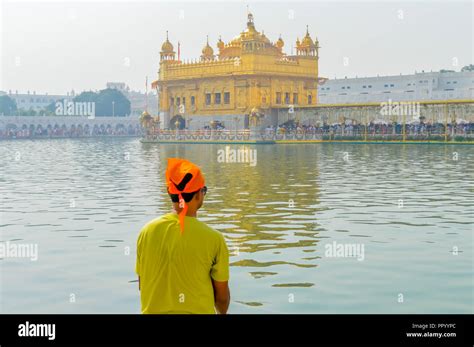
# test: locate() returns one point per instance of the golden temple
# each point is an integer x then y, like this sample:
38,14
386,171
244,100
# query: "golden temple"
249,75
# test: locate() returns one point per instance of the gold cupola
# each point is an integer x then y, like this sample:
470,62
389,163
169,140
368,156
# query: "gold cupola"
307,40
207,51
220,44
167,50
280,43
307,46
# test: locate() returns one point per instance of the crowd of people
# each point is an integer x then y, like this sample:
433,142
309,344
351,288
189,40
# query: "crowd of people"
68,132
414,129
417,130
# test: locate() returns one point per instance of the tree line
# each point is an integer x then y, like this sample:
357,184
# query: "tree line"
108,102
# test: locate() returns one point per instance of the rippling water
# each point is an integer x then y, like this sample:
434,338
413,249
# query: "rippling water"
83,201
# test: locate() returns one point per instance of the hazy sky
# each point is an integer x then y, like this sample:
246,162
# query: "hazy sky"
56,46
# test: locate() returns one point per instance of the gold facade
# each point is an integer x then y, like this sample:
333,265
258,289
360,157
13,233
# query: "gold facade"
249,73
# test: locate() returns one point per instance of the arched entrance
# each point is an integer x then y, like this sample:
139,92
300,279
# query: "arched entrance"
120,129
180,119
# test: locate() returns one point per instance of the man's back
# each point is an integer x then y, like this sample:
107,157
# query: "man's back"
175,268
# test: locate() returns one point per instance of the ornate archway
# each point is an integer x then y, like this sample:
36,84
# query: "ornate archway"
177,118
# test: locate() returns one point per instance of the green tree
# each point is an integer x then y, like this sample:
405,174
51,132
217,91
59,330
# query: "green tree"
108,102
86,97
469,67
7,106
51,108
111,102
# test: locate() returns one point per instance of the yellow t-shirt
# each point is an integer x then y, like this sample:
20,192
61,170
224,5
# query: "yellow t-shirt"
175,268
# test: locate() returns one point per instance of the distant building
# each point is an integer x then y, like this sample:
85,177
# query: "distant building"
118,85
36,102
138,100
138,103
448,85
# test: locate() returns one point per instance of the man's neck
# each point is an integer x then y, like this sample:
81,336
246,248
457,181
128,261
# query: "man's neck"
189,213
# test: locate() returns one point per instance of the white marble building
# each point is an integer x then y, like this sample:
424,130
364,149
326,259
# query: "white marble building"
417,87
33,101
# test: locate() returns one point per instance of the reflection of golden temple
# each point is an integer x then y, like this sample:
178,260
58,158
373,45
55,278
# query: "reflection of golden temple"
248,71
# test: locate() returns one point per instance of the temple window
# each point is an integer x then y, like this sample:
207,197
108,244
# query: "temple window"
208,98
287,98
217,98
193,100
178,101
226,98
278,98
295,98
310,99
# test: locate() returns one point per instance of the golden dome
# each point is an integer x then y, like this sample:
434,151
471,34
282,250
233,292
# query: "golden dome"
248,40
207,51
250,33
280,43
167,47
307,40
220,43
145,114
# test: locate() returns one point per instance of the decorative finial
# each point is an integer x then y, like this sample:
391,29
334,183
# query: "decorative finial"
249,16
166,35
207,39
307,31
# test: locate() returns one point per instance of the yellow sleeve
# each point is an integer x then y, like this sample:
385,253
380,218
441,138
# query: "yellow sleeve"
220,268
139,245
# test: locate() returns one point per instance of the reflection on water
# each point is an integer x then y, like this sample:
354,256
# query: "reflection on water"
84,201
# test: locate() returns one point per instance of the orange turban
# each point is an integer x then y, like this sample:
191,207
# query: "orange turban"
182,176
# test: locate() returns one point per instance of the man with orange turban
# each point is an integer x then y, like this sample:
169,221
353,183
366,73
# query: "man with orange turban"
183,264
